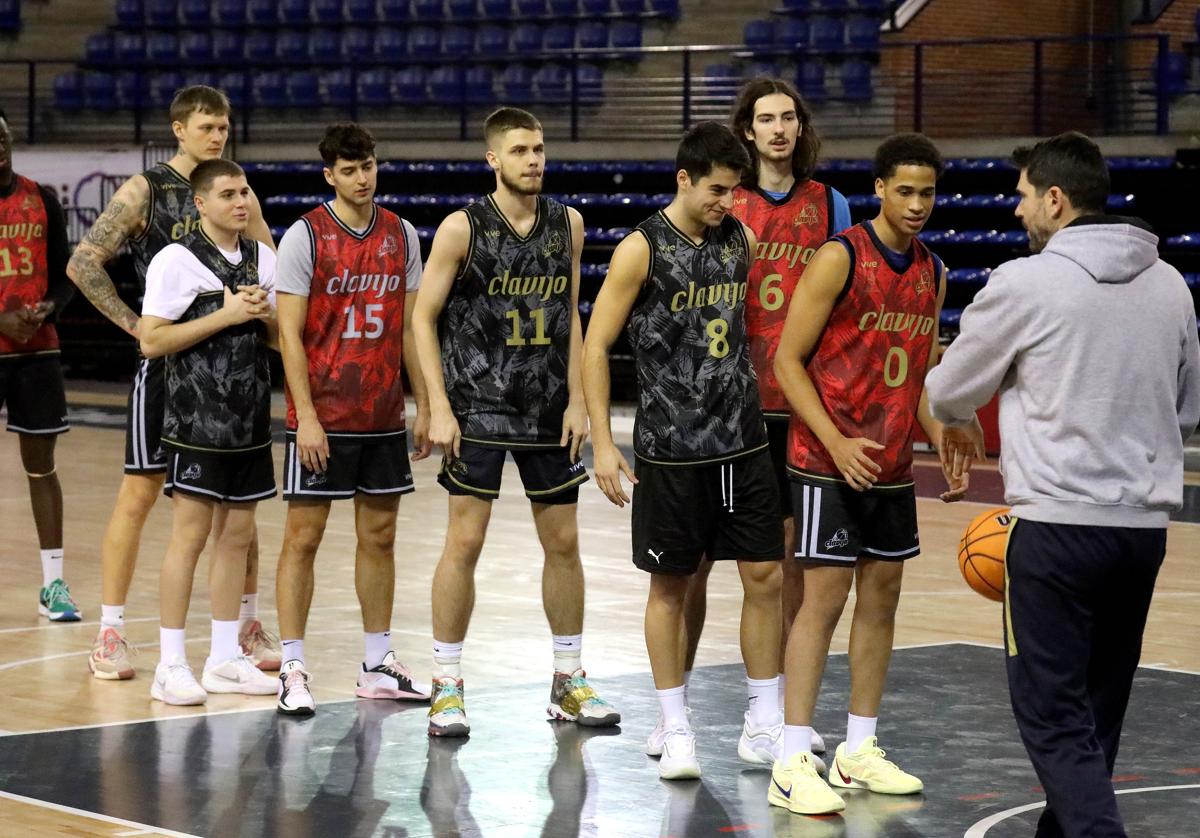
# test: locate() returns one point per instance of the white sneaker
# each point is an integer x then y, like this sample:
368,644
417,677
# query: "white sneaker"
174,683
391,679
237,675
678,760
293,694
760,745
654,742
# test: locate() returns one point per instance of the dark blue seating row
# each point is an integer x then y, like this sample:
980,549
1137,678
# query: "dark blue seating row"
823,34
10,16
169,14
356,44
854,76
833,6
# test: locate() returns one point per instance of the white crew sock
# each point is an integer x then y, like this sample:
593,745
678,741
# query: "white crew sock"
171,644
568,652
112,616
52,565
797,739
858,729
376,645
763,697
225,644
447,659
674,711
249,610
293,650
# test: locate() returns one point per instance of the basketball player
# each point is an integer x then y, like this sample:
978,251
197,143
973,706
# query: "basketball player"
33,289
791,215
148,212
209,309
348,276
501,295
704,484
1092,345
860,335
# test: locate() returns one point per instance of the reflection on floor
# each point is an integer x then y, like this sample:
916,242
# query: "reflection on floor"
367,767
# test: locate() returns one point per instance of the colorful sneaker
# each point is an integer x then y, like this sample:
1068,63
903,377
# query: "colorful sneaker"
174,683
110,660
236,675
294,697
678,761
262,647
654,742
55,603
866,768
572,699
448,710
391,679
797,787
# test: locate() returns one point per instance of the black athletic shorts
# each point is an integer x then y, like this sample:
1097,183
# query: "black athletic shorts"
144,453
548,474
836,525
32,390
233,477
683,513
777,444
373,465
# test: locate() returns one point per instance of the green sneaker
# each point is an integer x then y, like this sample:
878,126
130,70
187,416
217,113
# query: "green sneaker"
55,603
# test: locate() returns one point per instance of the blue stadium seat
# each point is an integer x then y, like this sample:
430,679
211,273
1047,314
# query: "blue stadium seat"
324,45
357,43
812,80
162,47
133,89
424,42
626,34
593,35
291,45
457,41
761,68
719,79
129,47
100,91
261,11
1174,80
552,83
361,11
205,77
327,11
68,91
336,87
862,33
260,47
375,87
516,83
394,11
759,34
163,87
411,85
828,34
129,13
591,84
530,8
294,12
228,46
446,85
559,36
161,13
667,8
527,38
100,48
427,10
270,89
461,9
631,7
481,83
491,41
564,8
833,5
390,44
303,89
233,82
195,12
196,47
495,9
792,33
231,12
595,7
856,81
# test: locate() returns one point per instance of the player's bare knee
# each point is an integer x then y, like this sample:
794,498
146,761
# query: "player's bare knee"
561,547
137,494
37,454
761,579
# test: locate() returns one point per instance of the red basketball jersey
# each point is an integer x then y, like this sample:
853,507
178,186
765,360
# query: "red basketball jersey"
789,231
869,367
23,257
354,334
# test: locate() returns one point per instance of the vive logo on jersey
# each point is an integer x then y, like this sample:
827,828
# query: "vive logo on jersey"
808,215
869,265
182,228
578,467
543,286
388,247
554,244
924,282
839,539
192,472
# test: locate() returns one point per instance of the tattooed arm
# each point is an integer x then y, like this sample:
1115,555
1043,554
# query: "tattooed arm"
124,217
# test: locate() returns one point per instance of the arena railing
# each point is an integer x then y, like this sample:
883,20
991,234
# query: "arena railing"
943,87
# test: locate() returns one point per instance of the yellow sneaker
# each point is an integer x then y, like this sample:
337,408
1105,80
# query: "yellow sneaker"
797,787
866,768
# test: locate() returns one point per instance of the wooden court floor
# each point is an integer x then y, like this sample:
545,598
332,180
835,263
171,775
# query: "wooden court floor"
45,684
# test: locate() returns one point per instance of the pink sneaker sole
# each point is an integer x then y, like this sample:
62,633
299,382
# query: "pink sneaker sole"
383,692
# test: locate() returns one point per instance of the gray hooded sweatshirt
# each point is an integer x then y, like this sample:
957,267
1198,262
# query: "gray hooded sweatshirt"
1092,344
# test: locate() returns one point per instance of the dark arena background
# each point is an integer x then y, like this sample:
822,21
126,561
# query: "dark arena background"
615,83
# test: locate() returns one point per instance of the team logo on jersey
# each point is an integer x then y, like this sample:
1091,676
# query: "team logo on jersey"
839,539
729,251
252,273
808,215
924,282
459,468
192,472
30,203
556,243
389,246
316,479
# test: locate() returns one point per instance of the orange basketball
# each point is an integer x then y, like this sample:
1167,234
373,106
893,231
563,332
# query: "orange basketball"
981,552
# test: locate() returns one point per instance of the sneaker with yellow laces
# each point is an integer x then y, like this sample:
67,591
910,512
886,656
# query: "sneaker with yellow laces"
573,699
797,787
448,710
866,768
262,647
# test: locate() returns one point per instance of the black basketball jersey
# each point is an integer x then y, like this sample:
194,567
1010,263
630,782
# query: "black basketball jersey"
219,390
506,328
697,393
172,215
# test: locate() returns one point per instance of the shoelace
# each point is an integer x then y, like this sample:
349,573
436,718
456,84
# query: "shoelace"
296,678
260,636
398,670
60,594
583,692
114,643
183,671
441,704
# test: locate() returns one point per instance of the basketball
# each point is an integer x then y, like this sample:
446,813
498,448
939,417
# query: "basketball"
981,552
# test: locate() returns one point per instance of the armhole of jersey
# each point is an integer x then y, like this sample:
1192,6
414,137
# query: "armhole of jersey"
312,241
745,241
844,242
570,237
462,269
831,212
649,261
938,269
149,210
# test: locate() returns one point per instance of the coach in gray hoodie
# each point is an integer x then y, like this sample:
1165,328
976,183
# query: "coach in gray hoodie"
1092,344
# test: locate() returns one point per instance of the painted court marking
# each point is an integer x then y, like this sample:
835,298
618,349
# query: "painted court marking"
980,829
